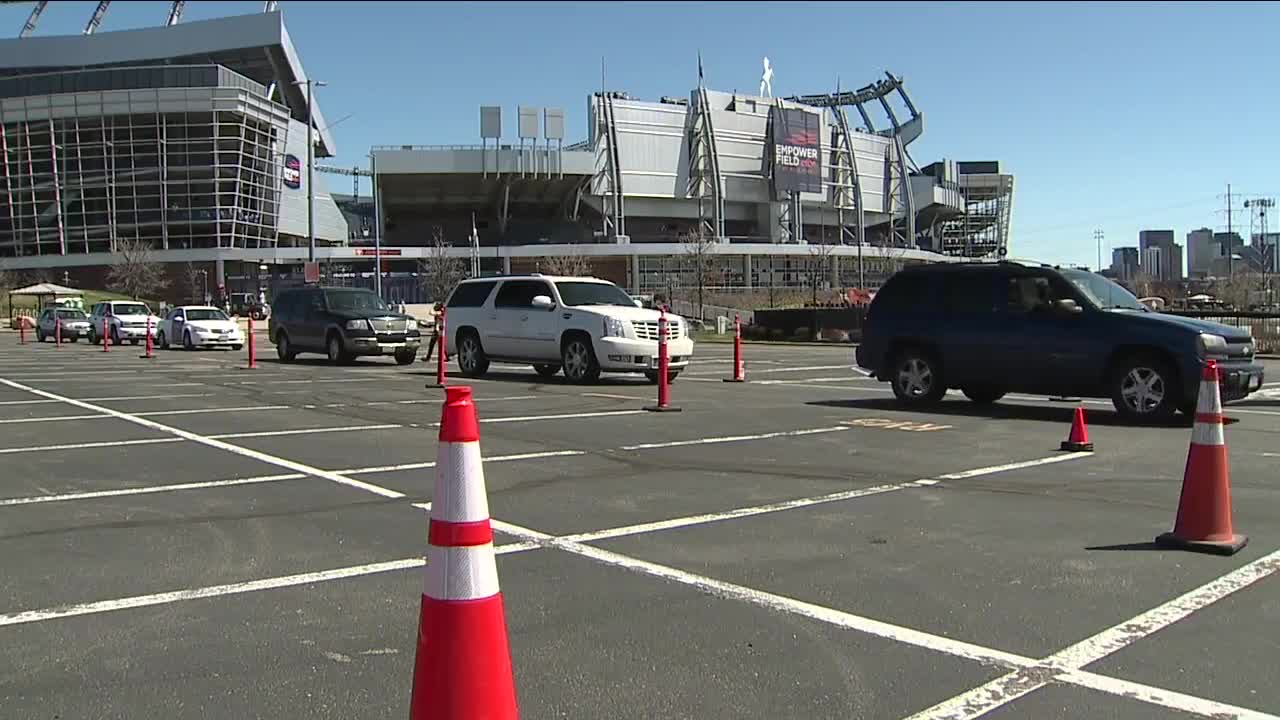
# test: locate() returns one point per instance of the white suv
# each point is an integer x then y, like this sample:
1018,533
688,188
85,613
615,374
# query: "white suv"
126,320
579,324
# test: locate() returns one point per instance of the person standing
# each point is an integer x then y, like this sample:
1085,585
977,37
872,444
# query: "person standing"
437,313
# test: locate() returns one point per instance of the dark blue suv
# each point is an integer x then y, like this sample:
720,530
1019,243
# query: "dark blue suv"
994,328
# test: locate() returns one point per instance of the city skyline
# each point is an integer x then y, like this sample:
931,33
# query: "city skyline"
1082,137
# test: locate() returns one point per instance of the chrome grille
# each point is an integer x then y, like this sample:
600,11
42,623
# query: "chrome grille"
390,325
646,330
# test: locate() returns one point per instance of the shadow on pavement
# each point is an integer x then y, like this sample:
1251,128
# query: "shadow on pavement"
533,379
1128,547
1060,414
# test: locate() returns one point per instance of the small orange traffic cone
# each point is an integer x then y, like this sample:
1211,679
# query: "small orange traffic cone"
1078,440
462,669
1204,508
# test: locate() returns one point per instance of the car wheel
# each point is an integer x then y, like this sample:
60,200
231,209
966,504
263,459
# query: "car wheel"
284,350
337,356
917,378
546,371
73,339
472,362
983,395
579,361
653,376
39,335
187,344
236,347
93,336
115,335
1145,388
405,357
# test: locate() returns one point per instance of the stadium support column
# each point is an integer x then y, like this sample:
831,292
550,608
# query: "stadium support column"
377,217
311,189
635,272
746,271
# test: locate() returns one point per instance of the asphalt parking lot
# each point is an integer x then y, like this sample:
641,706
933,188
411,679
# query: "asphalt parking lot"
185,538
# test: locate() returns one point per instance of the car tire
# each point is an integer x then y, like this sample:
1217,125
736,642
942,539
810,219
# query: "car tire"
983,395
284,349
93,336
134,341
236,348
546,371
472,361
186,342
39,335
115,336
578,359
162,341
405,357
72,339
1145,389
334,351
652,376
916,377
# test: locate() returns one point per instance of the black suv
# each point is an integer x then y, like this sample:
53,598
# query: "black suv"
993,328
341,323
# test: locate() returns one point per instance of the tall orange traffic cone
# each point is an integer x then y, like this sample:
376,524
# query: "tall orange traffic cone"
1204,509
1078,440
463,665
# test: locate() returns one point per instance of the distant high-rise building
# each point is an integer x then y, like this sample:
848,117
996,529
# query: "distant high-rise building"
1268,246
1201,251
1154,263
1171,263
1124,262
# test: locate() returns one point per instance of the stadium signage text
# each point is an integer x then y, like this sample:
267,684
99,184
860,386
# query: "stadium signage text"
292,172
795,151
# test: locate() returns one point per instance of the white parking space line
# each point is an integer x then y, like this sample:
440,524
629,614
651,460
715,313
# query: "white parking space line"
735,438
614,397
496,458
1014,466
1005,689
156,413
562,416
1164,698
807,368
149,490
166,598
306,431
211,442
86,445
771,601
55,418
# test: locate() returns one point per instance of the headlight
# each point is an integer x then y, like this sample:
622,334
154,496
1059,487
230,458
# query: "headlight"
1212,346
359,325
615,327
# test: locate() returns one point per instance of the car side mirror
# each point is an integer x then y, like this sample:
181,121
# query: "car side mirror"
1067,306
638,302
543,302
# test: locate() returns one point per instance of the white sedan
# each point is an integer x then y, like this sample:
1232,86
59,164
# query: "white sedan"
198,326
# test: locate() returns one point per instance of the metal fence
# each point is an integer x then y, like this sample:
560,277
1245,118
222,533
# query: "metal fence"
1265,327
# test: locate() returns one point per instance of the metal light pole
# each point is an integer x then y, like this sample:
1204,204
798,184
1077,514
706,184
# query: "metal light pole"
377,220
311,170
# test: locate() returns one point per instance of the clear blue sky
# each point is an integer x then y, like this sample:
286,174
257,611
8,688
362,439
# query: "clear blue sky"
1119,116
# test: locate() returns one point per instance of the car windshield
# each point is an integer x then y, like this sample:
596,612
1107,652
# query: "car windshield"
206,314
358,300
593,293
130,309
72,315
1104,293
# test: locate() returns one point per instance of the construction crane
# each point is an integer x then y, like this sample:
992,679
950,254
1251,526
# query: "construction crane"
355,173
36,11
96,20
175,12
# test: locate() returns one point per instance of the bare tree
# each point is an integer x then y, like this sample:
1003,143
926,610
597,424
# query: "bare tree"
1242,290
135,273
819,266
194,280
439,271
699,261
575,264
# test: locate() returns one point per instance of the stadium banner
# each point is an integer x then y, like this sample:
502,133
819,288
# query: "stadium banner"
795,150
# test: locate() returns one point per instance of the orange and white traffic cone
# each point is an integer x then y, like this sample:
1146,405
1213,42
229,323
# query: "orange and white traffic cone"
1078,440
463,665
1204,509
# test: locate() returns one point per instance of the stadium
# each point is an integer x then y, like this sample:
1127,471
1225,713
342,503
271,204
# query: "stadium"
193,138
